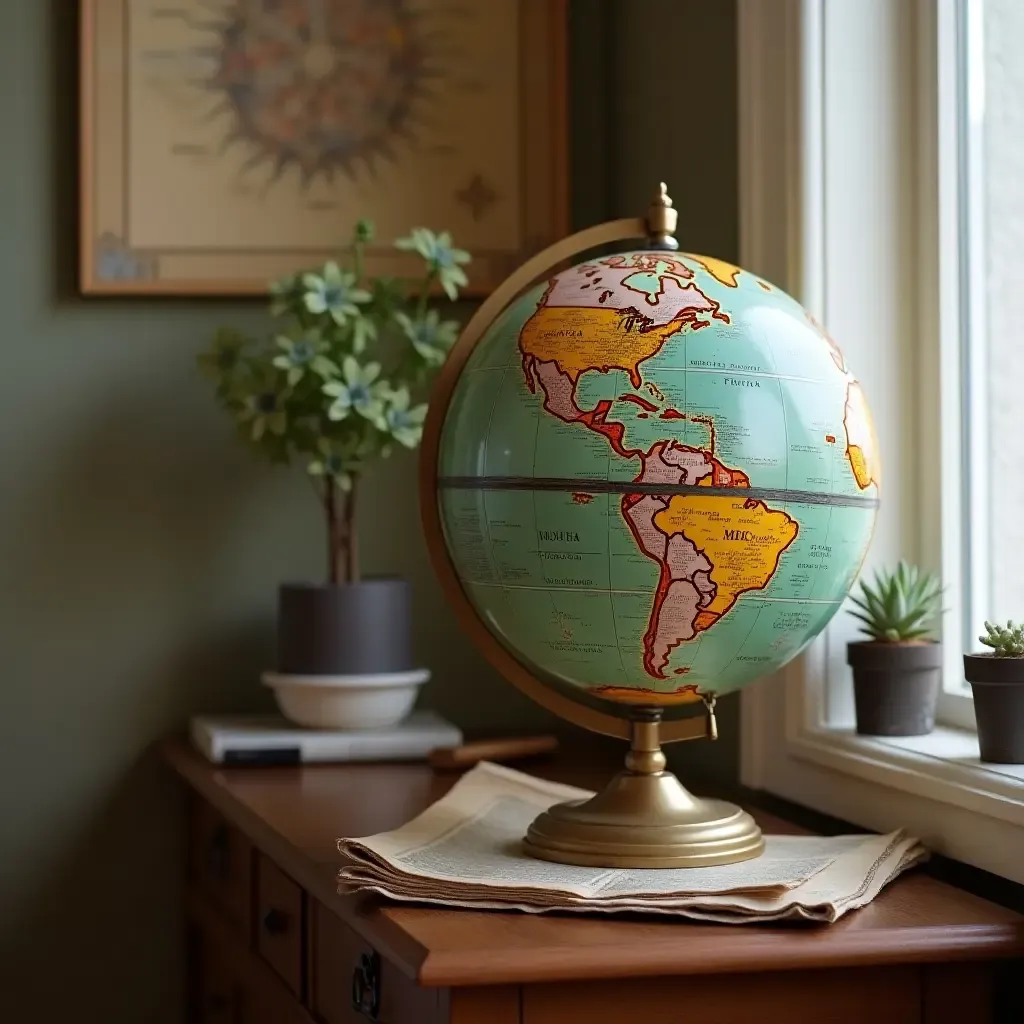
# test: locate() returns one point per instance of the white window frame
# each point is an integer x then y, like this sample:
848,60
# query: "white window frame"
849,199
967,189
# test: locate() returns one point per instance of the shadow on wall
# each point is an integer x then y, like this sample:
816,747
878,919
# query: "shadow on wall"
120,538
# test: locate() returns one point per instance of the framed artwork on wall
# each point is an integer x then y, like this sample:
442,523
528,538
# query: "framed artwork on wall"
225,143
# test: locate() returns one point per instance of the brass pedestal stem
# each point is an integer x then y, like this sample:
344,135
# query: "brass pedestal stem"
645,818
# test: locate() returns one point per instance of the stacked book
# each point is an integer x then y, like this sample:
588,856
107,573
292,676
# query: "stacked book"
466,851
272,739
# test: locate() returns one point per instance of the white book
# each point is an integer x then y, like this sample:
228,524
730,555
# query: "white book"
271,739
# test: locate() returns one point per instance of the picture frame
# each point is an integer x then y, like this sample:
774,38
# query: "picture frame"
222,149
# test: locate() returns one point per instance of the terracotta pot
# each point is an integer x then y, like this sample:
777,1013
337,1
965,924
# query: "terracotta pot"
895,686
350,629
998,685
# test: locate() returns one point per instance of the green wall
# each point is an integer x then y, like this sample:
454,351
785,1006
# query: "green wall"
141,548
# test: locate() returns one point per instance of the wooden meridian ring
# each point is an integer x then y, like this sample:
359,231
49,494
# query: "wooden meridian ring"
531,271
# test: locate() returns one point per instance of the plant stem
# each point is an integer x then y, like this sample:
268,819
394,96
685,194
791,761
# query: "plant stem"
351,538
357,260
424,298
333,540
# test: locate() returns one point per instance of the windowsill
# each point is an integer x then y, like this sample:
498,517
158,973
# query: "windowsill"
942,766
957,746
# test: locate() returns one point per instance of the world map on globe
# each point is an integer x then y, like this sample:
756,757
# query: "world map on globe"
657,478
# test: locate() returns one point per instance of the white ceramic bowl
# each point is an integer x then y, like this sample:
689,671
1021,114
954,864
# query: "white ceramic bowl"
346,702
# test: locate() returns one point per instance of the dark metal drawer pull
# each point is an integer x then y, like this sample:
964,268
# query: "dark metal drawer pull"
275,921
366,986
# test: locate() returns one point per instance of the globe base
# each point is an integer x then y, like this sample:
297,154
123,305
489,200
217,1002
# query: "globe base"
644,822
645,818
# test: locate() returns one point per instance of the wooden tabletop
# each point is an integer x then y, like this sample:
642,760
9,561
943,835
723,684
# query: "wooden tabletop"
295,815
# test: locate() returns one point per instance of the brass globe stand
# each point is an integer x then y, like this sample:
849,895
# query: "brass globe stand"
644,818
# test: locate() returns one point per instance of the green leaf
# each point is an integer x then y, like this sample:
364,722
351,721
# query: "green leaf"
898,603
364,331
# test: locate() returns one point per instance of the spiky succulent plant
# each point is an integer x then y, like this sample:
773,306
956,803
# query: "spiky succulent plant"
899,606
1006,641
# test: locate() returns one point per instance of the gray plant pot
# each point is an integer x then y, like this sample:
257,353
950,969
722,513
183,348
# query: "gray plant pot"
895,687
345,629
998,686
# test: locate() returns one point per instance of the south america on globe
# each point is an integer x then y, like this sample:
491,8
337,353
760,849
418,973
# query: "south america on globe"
657,478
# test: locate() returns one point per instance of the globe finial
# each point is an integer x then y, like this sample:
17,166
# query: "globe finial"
661,220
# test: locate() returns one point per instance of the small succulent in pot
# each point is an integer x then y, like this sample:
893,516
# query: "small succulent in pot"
896,671
900,607
997,681
1006,641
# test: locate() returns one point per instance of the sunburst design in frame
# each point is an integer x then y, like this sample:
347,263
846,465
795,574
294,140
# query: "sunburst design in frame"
322,86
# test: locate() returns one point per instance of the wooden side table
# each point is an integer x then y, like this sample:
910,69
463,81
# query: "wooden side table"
271,942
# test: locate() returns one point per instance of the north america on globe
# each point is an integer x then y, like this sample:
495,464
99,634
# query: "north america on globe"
658,478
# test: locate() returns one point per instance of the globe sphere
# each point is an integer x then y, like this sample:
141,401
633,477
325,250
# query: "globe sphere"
657,479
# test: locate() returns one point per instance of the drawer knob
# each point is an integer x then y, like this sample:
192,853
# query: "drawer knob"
366,986
275,921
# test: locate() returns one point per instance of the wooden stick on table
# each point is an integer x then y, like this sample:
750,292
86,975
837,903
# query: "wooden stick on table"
469,754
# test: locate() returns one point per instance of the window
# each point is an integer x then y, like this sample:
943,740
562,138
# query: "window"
882,183
992,166
980,115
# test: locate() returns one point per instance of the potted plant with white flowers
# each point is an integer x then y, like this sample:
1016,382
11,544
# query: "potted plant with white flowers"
339,385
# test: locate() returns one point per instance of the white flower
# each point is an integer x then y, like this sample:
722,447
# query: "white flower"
358,391
443,260
404,424
303,353
335,292
334,463
430,336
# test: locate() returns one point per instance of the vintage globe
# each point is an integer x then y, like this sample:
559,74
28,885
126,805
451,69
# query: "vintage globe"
656,479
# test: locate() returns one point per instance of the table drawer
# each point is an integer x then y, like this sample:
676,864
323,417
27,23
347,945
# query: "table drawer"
346,972
229,983
881,995
280,923
220,859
